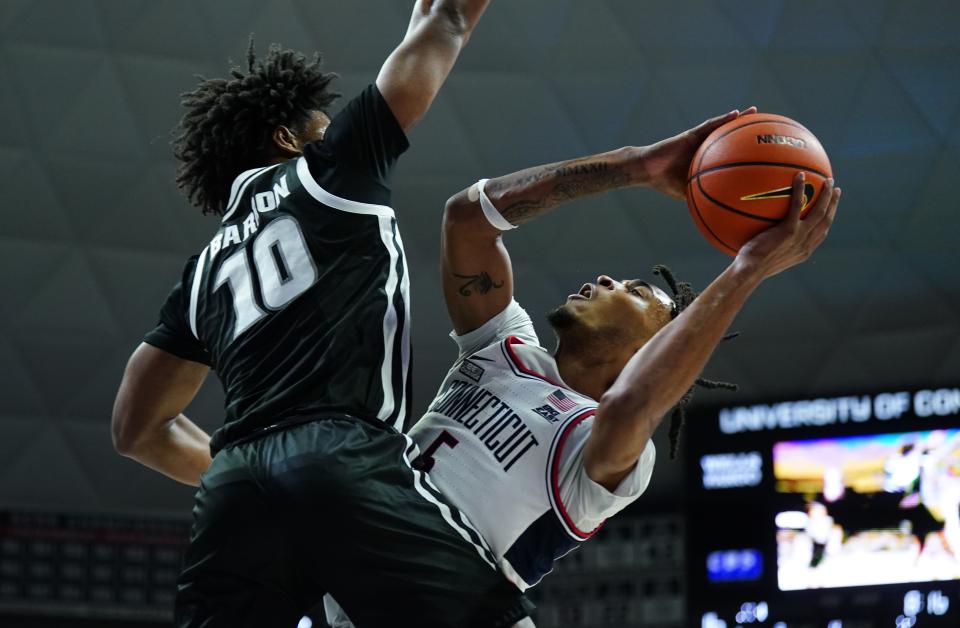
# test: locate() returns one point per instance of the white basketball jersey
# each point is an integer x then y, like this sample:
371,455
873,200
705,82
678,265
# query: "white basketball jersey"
503,440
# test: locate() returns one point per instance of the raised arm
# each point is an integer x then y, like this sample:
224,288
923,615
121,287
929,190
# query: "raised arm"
658,375
147,422
414,72
477,276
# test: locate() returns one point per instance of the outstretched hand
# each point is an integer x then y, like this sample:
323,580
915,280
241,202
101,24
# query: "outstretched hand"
793,240
668,161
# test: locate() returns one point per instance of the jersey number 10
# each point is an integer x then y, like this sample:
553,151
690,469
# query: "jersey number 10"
284,267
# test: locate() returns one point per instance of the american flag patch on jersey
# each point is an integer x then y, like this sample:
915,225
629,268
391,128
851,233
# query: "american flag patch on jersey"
561,402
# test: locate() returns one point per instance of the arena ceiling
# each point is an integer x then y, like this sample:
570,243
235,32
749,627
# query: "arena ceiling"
94,232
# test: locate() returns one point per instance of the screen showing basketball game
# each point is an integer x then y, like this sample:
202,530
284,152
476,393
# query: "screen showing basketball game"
865,510
837,511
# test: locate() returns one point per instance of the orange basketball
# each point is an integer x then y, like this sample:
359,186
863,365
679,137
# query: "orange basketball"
741,177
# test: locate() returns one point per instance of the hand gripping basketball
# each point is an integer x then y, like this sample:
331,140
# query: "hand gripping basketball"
739,180
794,239
668,161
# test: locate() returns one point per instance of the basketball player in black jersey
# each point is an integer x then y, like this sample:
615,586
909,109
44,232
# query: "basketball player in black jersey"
300,304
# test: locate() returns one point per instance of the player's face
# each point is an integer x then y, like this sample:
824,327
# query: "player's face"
288,142
631,310
316,127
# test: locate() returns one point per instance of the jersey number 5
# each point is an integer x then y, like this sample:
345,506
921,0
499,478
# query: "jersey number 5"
284,268
425,461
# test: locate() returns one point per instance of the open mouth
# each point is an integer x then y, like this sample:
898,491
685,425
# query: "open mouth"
586,292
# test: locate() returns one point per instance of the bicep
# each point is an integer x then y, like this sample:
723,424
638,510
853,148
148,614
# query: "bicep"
616,442
156,387
477,274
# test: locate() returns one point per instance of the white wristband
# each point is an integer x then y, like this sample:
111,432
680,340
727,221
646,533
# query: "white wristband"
494,217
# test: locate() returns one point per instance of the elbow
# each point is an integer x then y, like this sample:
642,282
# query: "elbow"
122,442
464,219
125,438
458,210
452,17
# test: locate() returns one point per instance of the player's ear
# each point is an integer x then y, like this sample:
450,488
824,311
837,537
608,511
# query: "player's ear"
286,141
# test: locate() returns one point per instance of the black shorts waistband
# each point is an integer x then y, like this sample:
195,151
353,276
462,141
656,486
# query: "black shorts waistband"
297,421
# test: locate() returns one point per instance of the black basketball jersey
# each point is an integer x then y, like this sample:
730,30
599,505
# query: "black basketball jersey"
300,301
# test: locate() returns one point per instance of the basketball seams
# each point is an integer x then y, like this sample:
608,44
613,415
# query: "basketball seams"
723,205
702,221
737,221
706,148
774,164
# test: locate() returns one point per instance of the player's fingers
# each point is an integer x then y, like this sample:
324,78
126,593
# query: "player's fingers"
819,210
707,127
819,231
748,111
834,202
831,214
796,199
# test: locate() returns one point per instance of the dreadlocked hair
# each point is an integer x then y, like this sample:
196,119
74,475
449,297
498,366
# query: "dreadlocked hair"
683,296
228,125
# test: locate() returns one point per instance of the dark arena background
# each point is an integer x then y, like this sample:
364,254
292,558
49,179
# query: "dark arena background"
823,494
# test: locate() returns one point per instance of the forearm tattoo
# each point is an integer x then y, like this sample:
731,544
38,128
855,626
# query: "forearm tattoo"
481,283
568,180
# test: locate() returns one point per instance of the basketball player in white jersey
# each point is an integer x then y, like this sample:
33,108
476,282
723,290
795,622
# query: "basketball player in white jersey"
539,448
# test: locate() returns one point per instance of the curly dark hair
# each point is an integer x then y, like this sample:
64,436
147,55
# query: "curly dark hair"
683,296
228,124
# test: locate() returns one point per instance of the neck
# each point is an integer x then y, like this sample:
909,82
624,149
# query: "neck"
279,159
584,372
280,155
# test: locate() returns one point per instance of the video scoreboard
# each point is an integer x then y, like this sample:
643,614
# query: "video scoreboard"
835,512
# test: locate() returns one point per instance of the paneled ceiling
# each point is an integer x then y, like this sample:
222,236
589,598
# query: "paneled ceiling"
94,232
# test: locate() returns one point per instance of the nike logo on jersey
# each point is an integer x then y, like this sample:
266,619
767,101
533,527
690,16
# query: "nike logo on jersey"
499,428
